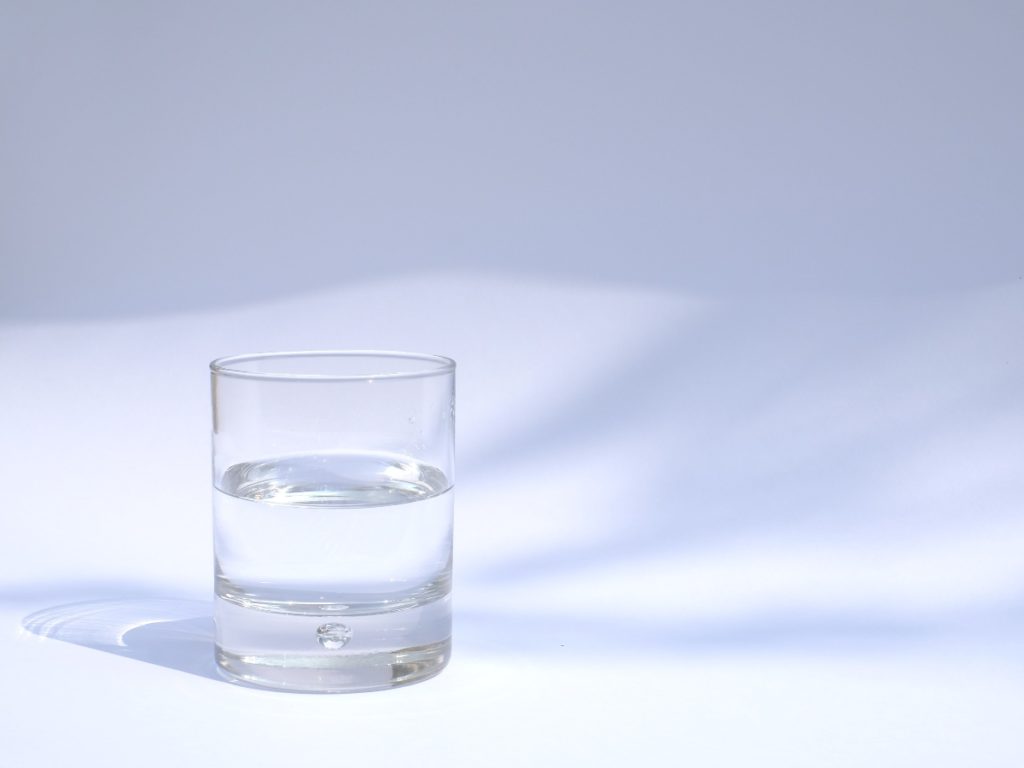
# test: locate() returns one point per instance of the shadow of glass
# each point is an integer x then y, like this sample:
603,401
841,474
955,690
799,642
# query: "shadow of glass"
173,633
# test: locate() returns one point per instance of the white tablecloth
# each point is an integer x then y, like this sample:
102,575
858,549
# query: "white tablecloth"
691,530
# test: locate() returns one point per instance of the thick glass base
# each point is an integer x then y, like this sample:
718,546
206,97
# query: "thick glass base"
331,651
334,674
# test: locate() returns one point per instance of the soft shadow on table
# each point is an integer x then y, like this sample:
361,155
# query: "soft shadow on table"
179,633
174,633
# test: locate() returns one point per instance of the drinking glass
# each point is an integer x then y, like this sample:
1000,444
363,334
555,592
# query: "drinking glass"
333,479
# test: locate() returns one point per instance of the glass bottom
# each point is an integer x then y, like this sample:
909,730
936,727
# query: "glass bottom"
317,673
331,650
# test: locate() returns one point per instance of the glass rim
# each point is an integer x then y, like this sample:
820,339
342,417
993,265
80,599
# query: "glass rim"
225,366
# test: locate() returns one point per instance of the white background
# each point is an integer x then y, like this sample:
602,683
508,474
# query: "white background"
736,295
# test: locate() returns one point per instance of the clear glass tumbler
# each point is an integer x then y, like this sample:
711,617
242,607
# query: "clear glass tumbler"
332,507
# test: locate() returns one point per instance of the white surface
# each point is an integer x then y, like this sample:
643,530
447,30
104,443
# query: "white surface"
689,530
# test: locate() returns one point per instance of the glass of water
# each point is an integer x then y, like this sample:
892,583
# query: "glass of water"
332,512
